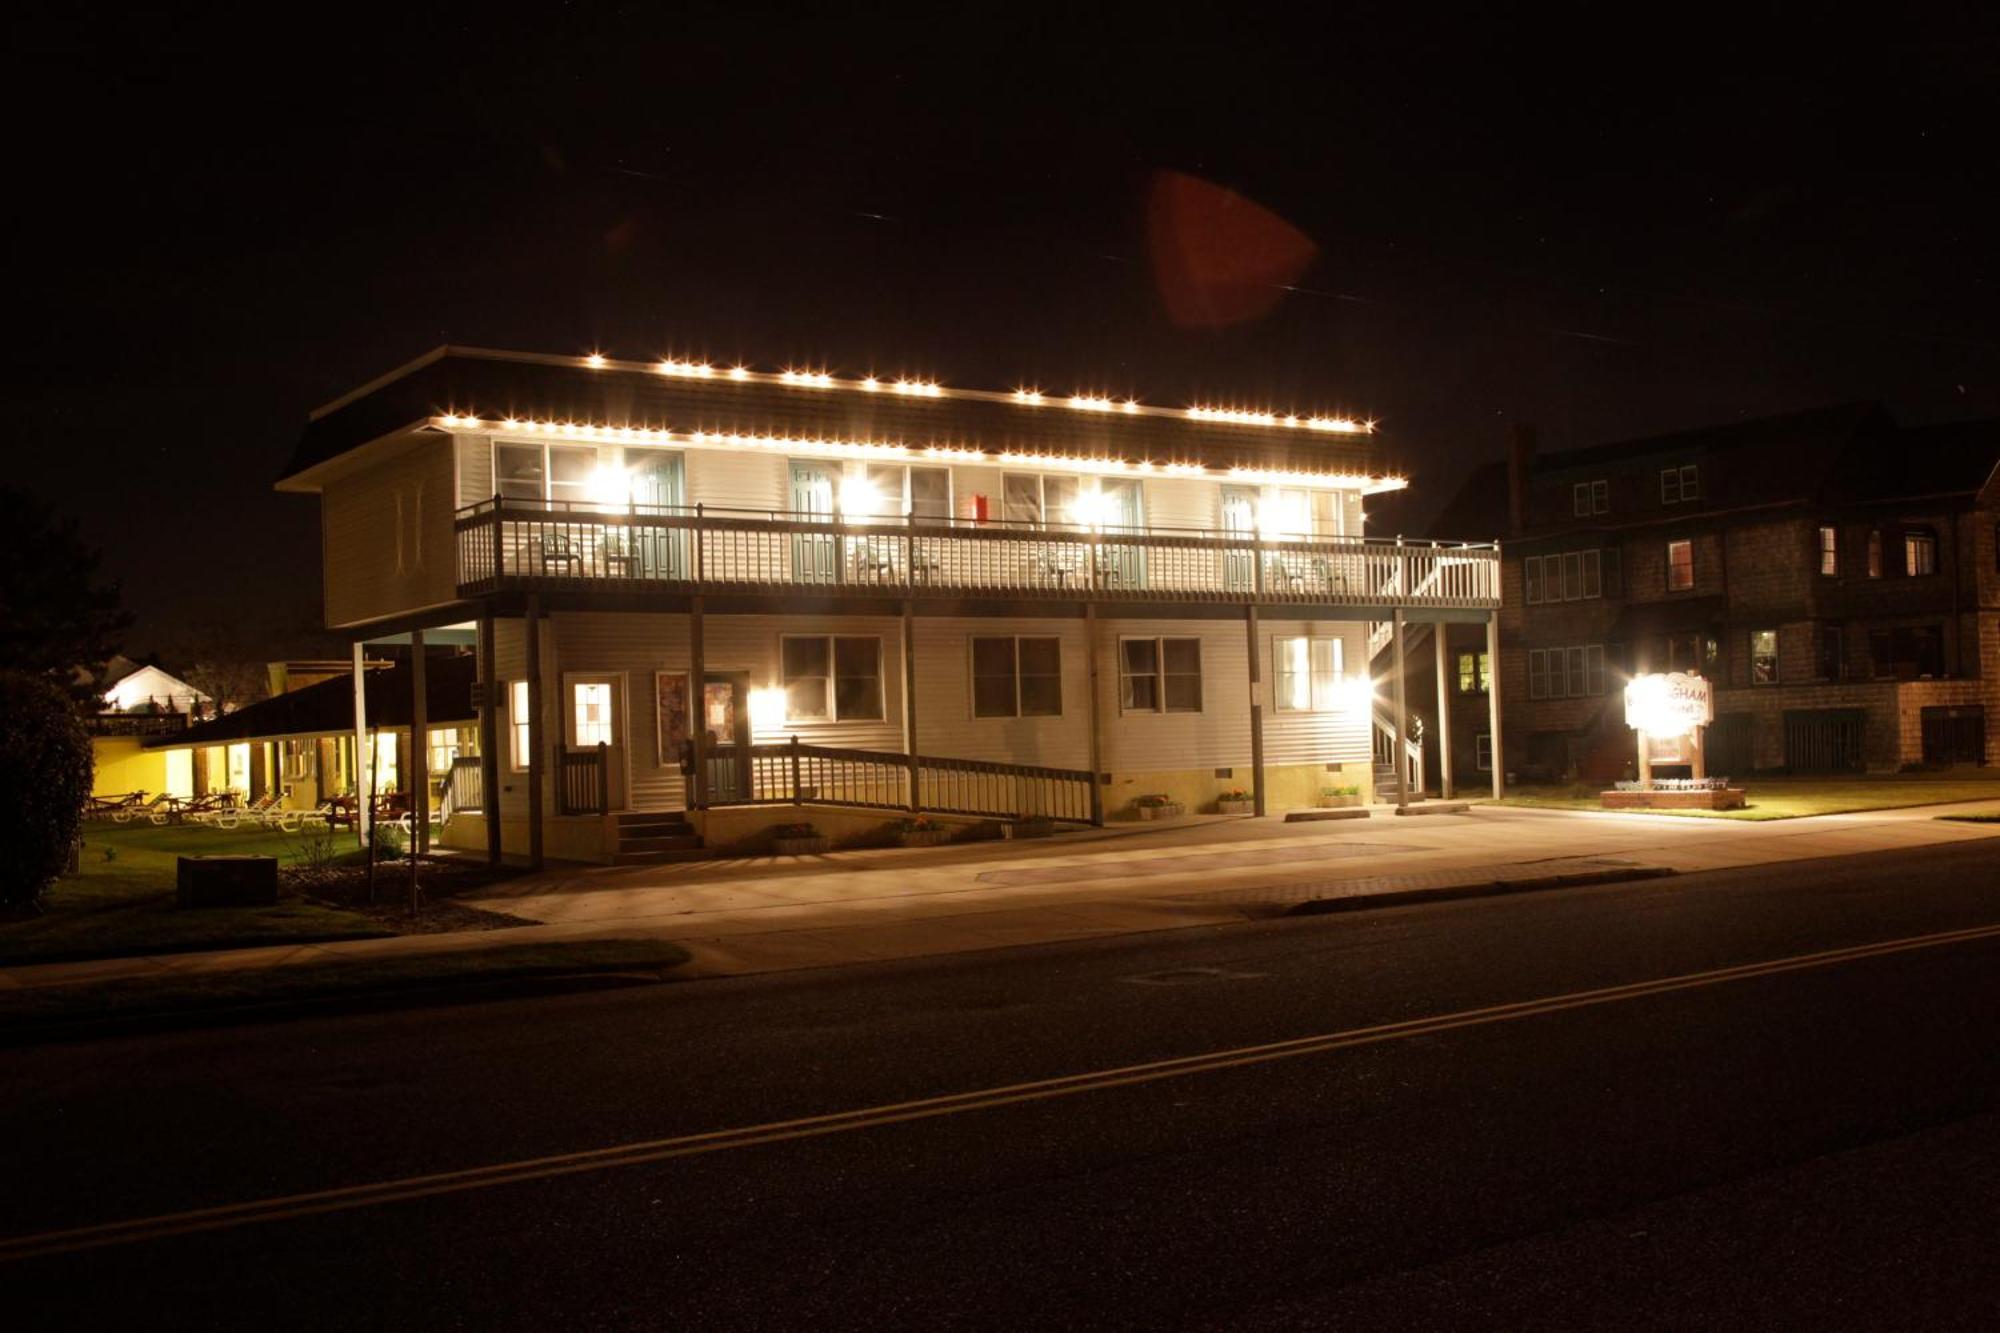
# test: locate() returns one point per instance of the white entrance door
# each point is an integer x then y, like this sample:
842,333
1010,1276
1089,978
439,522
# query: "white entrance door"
594,715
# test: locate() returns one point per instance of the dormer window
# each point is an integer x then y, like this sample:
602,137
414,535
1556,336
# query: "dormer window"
1679,485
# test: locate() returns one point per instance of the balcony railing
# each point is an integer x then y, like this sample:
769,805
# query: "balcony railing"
515,544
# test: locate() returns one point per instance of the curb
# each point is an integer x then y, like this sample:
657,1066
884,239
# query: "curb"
1488,888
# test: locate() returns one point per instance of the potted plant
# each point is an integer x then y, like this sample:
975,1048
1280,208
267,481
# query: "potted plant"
1156,805
921,831
1349,794
1236,801
799,840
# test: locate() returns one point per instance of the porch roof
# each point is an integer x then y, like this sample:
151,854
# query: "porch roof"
327,709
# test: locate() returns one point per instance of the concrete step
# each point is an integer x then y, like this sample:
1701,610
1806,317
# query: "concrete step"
662,857
628,818
674,842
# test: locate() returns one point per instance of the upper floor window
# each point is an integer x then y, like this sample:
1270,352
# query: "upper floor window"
1680,484
1016,676
1037,501
1308,672
1591,497
1763,657
1680,566
1297,514
1875,553
1907,652
545,472
1474,669
1919,552
831,678
892,490
1159,675
1829,550
1569,576
1563,673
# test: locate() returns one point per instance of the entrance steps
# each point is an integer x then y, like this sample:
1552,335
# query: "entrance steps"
653,837
1389,783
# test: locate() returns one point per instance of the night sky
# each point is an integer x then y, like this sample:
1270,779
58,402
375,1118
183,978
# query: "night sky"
1603,230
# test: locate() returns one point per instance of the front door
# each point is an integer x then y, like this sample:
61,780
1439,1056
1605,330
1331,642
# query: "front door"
1239,525
596,718
725,712
1123,516
815,555
656,486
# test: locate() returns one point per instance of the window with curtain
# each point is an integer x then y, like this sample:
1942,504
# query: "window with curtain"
1161,675
831,678
1308,674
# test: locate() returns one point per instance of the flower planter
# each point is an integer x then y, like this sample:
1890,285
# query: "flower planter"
801,846
933,837
1160,811
1236,807
1336,802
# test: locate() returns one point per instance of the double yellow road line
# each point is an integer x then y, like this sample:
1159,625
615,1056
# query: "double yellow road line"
288,1206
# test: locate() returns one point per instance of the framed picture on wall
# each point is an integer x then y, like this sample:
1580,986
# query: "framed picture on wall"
670,694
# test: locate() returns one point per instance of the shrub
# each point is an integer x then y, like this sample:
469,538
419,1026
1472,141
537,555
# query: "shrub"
1236,794
1152,800
795,831
388,840
45,773
914,824
1350,789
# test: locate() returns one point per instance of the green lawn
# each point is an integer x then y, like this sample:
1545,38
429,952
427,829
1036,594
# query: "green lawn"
1792,798
27,1010
122,901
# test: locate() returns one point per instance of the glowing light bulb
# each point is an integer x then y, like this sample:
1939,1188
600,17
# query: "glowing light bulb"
595,361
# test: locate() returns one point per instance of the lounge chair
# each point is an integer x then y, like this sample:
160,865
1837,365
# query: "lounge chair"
112,807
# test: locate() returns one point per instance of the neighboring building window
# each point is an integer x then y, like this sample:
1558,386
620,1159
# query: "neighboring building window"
1016,677
1564,673
1040,502
831,678
1680,566
590,713
1763,657
519,723
1829,550
1482,752
1591,497
544,471
1875,553
1830,654
1678,485
1308,672
1919,552
1908,652
1159,675
1567,577
1473,672
446,746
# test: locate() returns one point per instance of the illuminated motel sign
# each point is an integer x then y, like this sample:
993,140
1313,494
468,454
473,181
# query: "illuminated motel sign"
1669,710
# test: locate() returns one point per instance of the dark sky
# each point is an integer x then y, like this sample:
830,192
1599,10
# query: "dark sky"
1607,229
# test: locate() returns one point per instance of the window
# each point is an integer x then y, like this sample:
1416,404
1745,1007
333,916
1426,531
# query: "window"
447,745
1531,572
922,493
831,678
1039,502
1875,553
1678,485
590,711
1829,550
1680,566
1482,752
1591,497
1909,652
1474,669
1568,577
1763,657
1159,675
299,760
519,722
1919,552
1308,672
544,471
1830,656
1016,677
1563,673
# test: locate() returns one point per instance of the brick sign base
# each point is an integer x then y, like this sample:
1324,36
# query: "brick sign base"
1722,798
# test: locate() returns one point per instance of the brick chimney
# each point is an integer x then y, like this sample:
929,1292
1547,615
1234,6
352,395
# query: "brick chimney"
1520,460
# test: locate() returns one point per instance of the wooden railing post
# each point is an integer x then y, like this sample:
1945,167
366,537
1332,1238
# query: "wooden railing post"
699,529
603,778
798,787
499,538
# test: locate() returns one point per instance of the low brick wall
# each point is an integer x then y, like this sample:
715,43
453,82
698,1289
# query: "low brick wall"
1721,798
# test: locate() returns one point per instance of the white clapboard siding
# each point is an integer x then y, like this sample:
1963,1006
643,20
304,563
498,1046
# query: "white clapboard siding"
475,469
945,724
1337,737
1217,736
389,546
1182,503
738,479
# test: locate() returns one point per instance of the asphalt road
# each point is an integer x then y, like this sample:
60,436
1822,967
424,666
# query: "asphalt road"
1807,1145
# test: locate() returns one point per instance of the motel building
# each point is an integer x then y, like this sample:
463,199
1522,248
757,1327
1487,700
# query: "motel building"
707,600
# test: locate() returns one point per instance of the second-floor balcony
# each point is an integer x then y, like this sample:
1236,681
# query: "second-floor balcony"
516,545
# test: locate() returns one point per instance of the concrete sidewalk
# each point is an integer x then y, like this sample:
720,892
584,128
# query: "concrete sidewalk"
776,913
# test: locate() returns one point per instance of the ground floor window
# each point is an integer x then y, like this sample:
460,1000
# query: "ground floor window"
1016,676
1474,670
1763,657
519,723
1830,653
1159,675
299,760
831,678
1482,752
1566,673
1908,652
1308,672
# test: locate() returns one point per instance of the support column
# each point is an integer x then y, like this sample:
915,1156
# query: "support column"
1401,764
364,815
910,702
1493,704
1446,783
697,793
420,750
537,739
1256,709
1091,715
489,737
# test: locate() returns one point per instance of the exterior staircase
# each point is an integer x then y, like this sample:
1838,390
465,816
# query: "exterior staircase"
652,837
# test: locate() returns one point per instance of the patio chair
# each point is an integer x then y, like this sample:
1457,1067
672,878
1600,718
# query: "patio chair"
109,807
145,809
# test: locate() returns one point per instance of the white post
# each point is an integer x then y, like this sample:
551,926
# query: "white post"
1445,783
364,754
1493,704
1401,761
